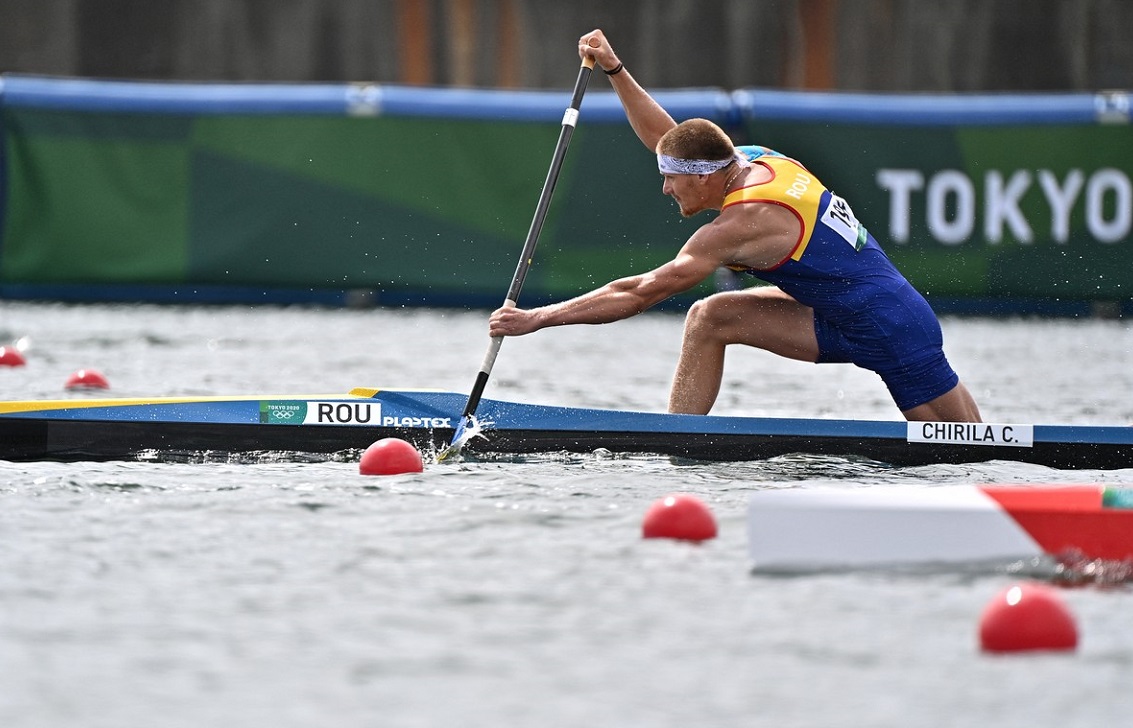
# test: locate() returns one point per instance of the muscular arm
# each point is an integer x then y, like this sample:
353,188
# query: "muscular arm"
648,119
614,301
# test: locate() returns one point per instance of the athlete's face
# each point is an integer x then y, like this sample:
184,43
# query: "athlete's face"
688,190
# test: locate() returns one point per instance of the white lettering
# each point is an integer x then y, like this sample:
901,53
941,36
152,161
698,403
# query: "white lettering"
1001,204
392,421
900,184
955,184
951,201
1061,200
1116,228
799,187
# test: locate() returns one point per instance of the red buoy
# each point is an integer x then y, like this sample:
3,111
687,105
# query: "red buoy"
1027,616
679,516
10,356
87,379
390,456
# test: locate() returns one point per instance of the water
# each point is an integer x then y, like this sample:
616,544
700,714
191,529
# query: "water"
513,592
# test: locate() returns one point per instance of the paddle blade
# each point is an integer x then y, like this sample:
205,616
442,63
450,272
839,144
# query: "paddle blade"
466,429
457,443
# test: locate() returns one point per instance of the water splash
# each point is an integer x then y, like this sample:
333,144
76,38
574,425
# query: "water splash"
1075,568
469,430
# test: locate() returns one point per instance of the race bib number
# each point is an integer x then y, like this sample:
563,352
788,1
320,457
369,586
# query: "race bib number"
840,218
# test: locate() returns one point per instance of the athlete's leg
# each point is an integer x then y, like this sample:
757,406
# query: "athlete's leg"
955,405
765,318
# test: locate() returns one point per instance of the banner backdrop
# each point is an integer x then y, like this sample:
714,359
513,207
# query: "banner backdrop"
1026,202
424,196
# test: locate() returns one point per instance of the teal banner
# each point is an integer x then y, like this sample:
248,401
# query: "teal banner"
424,196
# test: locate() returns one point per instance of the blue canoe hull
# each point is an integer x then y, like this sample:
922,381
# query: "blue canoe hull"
124,429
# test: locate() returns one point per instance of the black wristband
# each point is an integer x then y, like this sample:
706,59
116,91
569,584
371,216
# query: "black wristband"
617,69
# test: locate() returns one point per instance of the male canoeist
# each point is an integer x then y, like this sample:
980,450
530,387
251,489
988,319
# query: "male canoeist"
836,297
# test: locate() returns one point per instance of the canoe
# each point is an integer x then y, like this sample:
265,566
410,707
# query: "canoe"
124,429
836,528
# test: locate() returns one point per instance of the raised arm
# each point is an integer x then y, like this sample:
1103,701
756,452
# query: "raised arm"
645,115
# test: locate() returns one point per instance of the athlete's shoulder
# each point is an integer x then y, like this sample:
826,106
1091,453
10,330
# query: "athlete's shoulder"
752,152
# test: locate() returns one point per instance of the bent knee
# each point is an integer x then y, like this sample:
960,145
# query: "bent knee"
956,405
715,310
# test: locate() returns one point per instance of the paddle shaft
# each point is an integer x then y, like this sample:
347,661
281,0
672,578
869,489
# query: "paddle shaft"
570,118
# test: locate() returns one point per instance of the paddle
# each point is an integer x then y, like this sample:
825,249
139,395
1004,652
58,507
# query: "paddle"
570,118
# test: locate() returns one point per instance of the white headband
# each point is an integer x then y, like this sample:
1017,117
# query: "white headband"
675,165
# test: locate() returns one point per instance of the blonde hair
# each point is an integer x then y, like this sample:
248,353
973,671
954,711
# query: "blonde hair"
696,139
